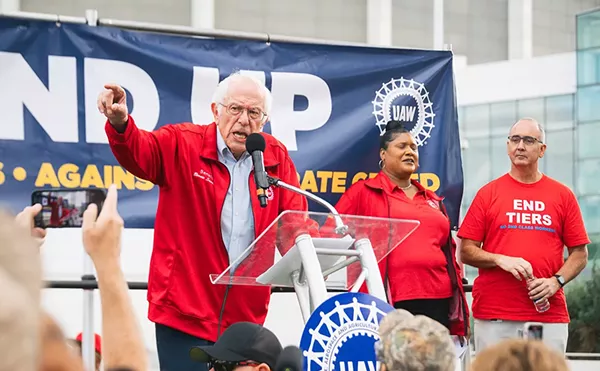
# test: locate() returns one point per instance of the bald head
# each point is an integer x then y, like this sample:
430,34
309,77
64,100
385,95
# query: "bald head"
529,124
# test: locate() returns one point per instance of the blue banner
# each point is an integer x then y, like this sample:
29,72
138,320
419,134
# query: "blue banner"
330,105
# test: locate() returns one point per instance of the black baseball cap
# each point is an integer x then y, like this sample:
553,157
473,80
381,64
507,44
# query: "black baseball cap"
242,341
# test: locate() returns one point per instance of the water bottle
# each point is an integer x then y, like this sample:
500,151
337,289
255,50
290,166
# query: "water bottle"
541,305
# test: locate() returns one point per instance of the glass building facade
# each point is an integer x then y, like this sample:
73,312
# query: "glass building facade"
588,118
572,124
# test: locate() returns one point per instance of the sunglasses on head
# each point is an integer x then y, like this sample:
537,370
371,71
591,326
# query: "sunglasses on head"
229,366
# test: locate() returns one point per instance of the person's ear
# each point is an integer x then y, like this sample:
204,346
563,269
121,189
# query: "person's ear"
542,150
215,111
263,367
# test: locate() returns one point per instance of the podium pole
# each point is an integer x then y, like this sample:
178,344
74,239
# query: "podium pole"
302,294
368,263
312,271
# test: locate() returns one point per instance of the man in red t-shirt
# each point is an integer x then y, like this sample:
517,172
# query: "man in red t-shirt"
515,232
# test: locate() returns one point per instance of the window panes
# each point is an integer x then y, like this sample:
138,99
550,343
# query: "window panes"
588,30
588,140
500,159
533,108
559,158
588,67
476,162
587,103
588,177
476,120
461,118
559,112
590,209
502,116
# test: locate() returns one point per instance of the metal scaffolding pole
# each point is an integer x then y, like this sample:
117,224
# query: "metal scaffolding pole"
43,17
190,31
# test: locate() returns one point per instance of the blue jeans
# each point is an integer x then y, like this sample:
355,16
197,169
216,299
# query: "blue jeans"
173,348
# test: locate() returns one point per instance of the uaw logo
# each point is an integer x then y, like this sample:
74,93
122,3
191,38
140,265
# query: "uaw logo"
406,101
433,204
270,194
341,333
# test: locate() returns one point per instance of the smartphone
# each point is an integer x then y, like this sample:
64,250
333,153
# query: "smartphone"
63,208
533,330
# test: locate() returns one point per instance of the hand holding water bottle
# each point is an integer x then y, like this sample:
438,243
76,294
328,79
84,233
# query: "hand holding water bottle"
542,288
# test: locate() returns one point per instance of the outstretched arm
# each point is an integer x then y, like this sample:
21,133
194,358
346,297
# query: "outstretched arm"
141,152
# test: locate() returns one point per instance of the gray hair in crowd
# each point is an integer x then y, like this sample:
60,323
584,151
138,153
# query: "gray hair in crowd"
414,343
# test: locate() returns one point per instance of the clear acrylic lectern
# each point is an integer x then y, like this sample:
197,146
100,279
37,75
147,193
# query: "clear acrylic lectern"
312,252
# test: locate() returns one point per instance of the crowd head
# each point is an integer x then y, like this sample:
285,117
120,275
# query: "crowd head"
519,355
244,346
414,343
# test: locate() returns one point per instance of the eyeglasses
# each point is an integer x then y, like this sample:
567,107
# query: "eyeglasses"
529,141
229,366
254,113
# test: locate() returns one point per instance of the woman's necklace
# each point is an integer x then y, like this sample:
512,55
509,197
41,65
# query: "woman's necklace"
407,187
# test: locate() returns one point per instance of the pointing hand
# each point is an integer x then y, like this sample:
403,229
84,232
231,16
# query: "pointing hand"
112,103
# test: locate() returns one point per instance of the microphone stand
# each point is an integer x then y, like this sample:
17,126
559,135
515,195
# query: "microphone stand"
340,229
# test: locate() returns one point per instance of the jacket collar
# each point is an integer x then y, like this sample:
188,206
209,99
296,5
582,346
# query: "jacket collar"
382,182
210,146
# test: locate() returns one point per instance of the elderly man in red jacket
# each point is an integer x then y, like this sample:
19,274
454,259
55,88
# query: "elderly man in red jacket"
207,214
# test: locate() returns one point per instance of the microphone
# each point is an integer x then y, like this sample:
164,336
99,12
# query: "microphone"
255,145
290,359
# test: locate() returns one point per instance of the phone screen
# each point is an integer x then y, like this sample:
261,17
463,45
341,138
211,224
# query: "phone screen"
63,208
535,332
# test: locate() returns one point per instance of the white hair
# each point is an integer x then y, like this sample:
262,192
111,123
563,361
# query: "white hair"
222,90
539,126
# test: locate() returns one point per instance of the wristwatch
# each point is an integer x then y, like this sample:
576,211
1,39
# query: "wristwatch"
560,279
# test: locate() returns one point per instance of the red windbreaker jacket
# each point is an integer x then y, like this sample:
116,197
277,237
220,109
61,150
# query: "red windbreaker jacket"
368,199
188,247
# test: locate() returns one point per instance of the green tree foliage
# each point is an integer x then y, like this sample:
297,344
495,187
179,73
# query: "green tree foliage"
583,301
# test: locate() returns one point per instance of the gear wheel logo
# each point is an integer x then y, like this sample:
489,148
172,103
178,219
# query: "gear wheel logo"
406,101
341,332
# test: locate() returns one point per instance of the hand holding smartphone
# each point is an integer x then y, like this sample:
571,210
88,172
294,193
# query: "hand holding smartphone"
533,330
63,208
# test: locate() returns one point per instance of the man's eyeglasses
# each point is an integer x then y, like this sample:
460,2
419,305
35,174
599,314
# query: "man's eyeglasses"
229,366
529,141
254,113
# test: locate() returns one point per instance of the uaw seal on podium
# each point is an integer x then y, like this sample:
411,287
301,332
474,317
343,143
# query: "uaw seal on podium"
341,333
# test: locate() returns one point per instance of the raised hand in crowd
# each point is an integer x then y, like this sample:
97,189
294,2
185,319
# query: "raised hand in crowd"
20,283
102,233
25,220
123,346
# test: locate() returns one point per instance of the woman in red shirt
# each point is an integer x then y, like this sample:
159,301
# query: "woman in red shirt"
421,274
